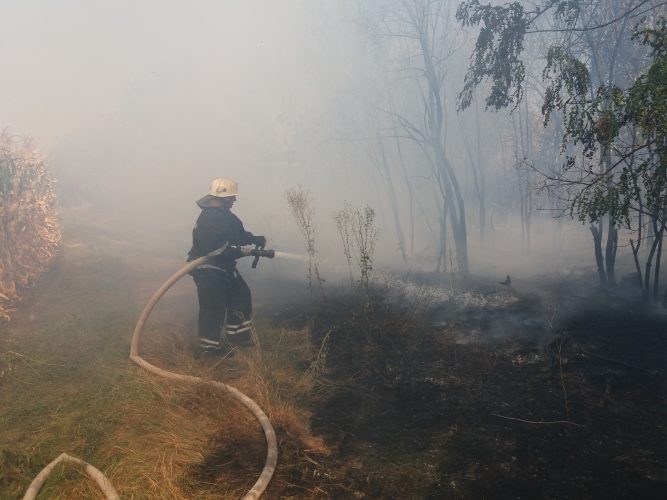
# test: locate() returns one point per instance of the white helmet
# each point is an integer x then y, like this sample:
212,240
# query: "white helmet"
222,188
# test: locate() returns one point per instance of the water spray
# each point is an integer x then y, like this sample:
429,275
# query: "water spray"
292,256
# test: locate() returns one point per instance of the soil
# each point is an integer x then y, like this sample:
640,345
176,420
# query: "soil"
546,394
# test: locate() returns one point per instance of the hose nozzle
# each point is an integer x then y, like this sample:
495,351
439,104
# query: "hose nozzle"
269,254
236,252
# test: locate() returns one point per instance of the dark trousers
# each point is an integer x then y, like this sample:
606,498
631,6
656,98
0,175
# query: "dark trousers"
223,295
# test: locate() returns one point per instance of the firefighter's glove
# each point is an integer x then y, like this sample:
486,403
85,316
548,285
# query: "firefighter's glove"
259,241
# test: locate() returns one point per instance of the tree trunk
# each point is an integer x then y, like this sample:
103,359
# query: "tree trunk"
393,200
457,217
442,244
657,238
610,253
437,138
656,282
408,185
599,258
635,256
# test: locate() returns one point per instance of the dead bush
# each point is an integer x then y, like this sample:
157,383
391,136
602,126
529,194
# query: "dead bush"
29,228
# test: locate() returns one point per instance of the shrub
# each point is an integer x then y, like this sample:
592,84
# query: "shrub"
29,228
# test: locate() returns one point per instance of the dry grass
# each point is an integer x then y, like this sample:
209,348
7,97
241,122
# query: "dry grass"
68,386
28,219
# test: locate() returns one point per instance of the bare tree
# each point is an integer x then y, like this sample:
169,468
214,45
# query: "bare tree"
423,39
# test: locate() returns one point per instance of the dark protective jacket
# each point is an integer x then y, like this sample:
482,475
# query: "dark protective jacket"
215,227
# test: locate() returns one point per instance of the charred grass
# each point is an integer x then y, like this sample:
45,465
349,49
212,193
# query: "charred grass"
569,407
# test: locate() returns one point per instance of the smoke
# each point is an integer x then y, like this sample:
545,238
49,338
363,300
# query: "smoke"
138,105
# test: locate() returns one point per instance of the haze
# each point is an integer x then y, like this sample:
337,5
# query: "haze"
138,105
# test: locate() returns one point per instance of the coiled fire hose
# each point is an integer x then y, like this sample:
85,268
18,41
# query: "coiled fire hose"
272,445
107,488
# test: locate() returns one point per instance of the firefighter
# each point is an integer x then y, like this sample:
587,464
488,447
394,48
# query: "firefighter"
225,302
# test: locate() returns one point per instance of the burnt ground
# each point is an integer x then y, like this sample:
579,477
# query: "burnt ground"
507,395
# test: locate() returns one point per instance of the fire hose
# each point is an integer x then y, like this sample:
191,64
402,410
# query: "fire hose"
272,446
